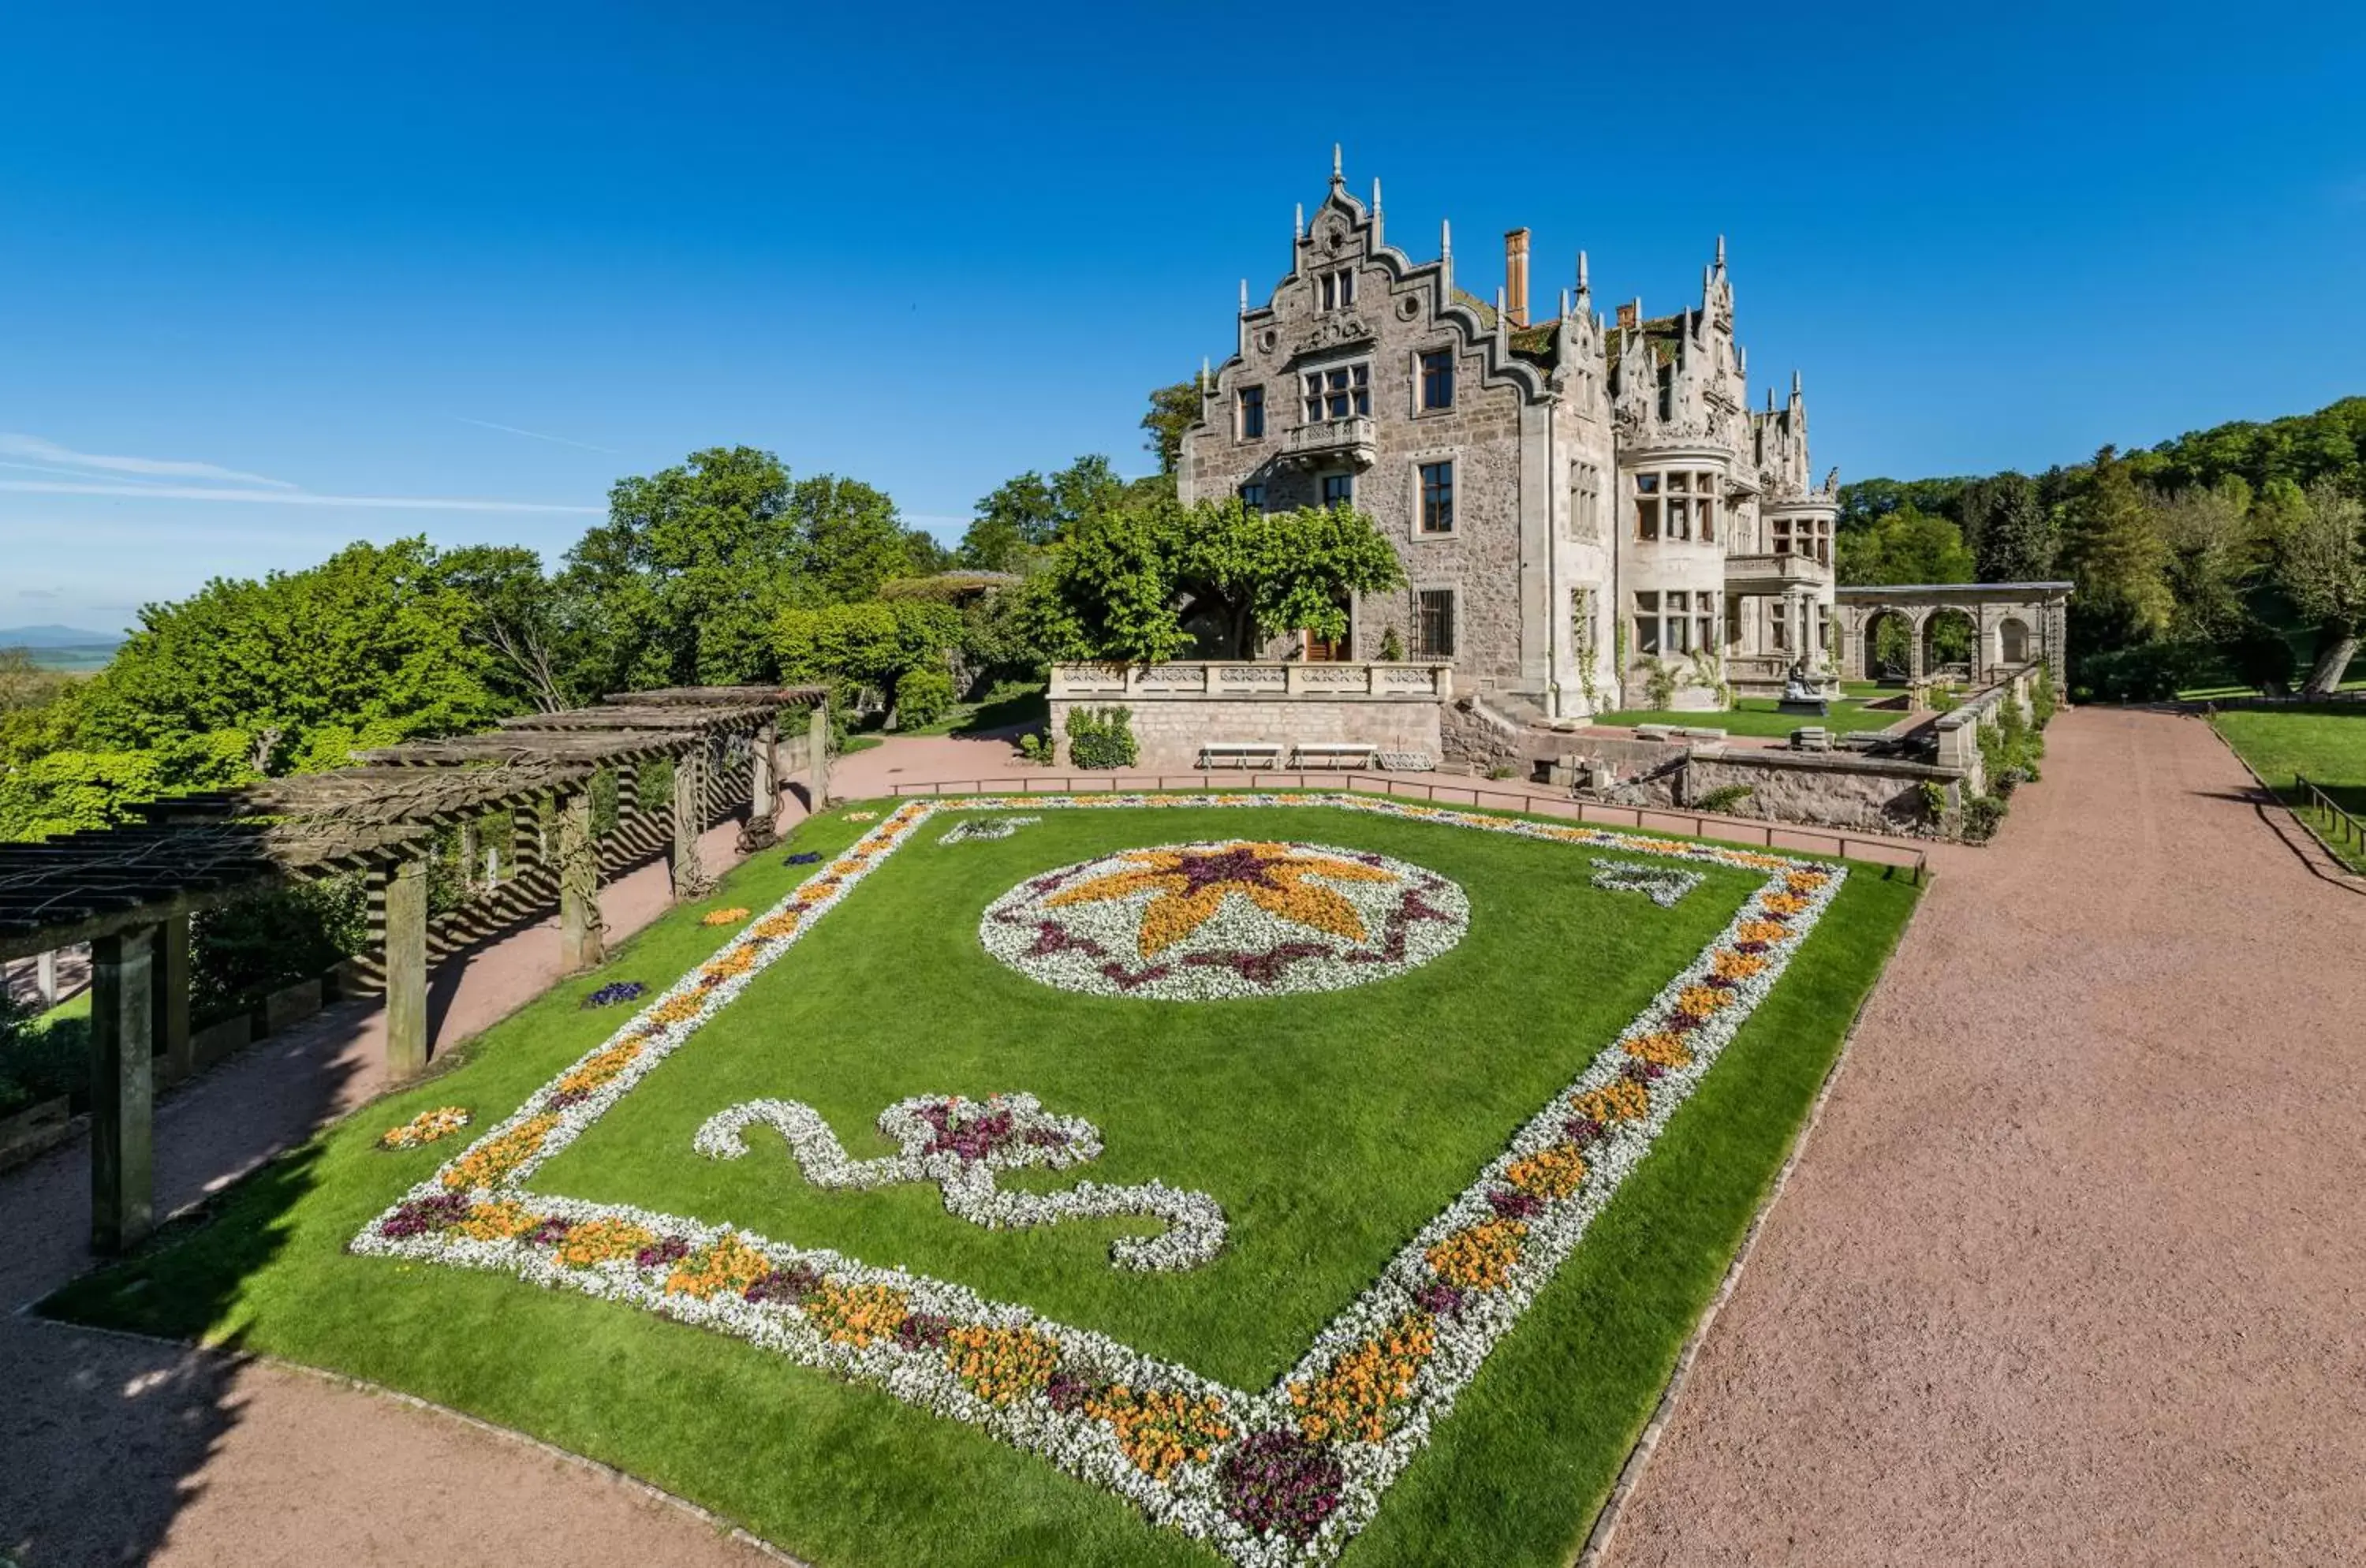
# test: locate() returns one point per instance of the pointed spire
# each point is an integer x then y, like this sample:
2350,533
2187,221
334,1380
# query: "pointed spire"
1244,295
1297,222
1376,196
1564,304
1445,239
1337,177
1795,386
1584,289
1770,399
1720,250
1203,374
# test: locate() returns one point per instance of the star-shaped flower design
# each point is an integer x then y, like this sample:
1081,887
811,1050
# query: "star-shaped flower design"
1191,884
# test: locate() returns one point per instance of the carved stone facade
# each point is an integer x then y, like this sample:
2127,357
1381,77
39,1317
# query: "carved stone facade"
1569,493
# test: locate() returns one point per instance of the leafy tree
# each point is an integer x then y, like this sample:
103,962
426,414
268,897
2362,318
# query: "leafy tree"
2206,536
1173,410
1122,584
2321,563
1905,545
372,640
1867,501
25,685
519,619
2113,550
66,790
872,645
2009,528
849,541
1026,514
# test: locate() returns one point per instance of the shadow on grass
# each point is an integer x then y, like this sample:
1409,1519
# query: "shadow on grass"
107,1437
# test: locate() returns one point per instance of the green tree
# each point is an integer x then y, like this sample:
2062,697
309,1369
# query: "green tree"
1173,410
2113,549
2206,535
2010,530
1905,545
1122,584
519,618
871,646
1023,514
2320,563
370,643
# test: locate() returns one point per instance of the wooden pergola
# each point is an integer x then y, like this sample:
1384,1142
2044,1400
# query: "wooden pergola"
129,891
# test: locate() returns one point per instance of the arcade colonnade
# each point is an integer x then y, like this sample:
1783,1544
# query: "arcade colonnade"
2013,624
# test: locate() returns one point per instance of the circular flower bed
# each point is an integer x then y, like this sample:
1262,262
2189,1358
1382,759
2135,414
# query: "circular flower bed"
1196,922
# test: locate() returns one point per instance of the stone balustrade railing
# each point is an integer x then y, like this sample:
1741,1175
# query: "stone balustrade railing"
1237,680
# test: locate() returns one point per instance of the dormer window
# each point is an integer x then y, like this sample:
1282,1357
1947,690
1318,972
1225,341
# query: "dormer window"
1343,391
1338,289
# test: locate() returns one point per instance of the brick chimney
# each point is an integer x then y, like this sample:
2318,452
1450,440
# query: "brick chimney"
1631,314
1515,277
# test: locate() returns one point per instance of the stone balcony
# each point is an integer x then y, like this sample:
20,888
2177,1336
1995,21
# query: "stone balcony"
1773,574
1234,680
1354,441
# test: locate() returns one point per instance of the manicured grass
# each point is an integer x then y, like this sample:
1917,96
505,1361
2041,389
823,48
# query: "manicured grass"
1007,705
1758,716
1329,1127
2325,743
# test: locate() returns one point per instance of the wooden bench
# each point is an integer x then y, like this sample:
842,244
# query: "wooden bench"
1331,754
1241,754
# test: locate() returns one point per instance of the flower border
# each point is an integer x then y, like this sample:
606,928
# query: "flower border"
1335,1431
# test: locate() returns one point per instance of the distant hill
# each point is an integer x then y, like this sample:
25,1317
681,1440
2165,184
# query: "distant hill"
57,636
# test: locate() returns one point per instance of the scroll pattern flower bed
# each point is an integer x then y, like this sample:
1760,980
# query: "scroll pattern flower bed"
960,1143
1288,1474
1193,922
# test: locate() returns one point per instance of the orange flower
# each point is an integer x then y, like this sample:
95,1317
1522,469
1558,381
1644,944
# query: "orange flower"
1663,1049
722,916
598,1069
1159,1429
1620,1099
1480,1257
1191,886
1728,965
731,961
602,1241
729,1265
775,927
1554,1173
1782,903
484,1166
858,1315
999,1365
1806,881
1702,1001
496,1221
1761,930
676,1010
1355,1397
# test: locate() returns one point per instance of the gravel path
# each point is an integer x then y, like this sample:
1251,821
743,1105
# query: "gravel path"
2072,1270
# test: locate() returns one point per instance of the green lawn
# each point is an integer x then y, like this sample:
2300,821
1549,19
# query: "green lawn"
1330,1127
2327,743
1759,716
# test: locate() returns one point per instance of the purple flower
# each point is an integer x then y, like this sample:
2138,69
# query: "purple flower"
672,1249
1516,1205
1045,1137
1439,1299
1278,1483
792,1284
421,1215
550,1233
1643,1072
618,991
560,1098
923,1331
1581,1130
808,858
1069,1392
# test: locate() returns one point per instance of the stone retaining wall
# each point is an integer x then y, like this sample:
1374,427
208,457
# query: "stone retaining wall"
1170,731
1824,790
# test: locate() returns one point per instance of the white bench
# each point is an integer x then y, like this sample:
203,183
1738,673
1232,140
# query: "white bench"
1331,754
1241,754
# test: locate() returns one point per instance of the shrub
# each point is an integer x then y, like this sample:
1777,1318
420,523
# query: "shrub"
922,697
250,946
1982,813
1392,646
1935,799
1102,738
1036,746
1724,797
2041,697
39,1062
2149,672
1660,686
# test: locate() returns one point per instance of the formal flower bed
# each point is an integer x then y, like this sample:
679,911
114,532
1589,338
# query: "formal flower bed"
615,992
722,916
961,1144
1286,1475
1199,922
427,1127
1663,885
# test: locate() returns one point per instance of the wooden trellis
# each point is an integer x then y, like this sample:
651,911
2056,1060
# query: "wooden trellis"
129,891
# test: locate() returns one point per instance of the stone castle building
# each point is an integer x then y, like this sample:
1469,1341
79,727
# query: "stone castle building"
1586,509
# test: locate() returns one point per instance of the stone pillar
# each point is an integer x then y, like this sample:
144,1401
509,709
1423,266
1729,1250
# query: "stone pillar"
763,778
45,978
469,869
123,1088
817,753
406,967
1914,650
690,880
580,943
168,985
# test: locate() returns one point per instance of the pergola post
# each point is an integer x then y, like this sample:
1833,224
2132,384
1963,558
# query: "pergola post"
45,978
168,986
689,817
763,775
817,753
580,947
123,1088
470,870
406,967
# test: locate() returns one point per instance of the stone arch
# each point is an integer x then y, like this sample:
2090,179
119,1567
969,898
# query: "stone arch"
1949,636
1886,655
2013,643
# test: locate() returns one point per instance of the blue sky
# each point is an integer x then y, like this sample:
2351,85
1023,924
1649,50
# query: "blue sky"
276,278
